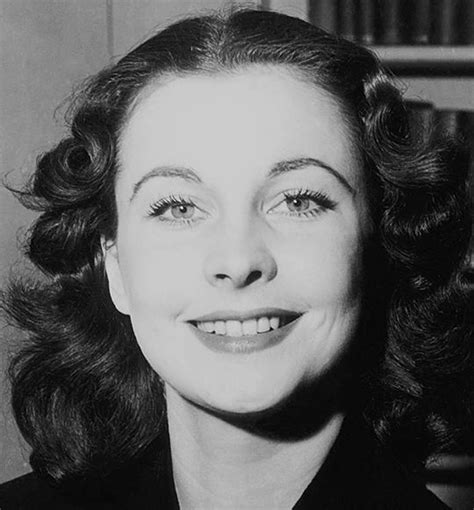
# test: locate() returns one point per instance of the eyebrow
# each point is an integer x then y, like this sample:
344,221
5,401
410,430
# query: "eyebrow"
280,168
283,167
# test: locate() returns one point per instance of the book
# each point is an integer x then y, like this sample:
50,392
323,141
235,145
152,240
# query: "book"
323,14
366,21
347,19
445,27
389,19
420,16
447,123
466,21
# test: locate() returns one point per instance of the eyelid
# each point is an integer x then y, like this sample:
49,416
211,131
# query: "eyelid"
321,201
160,206
321,198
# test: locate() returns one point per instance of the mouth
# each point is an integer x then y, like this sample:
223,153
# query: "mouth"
248,327
253,333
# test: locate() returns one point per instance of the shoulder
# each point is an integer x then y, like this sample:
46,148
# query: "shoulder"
390,485
29,492
146,484
393,487
360,473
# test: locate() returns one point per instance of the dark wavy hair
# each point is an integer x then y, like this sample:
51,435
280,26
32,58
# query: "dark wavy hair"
83,395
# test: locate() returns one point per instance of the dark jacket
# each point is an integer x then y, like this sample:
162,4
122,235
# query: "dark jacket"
357,474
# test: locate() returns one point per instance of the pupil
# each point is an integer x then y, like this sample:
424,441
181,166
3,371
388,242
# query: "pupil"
182,211
298,203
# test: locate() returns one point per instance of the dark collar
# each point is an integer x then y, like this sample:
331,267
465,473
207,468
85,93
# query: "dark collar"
359,473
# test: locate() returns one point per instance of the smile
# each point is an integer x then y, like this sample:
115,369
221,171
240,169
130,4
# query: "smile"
237,328
244,336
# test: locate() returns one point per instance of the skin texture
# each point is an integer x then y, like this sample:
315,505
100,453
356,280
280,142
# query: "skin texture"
243,245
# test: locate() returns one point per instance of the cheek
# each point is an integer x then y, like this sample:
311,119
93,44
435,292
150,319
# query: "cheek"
325,267
157,278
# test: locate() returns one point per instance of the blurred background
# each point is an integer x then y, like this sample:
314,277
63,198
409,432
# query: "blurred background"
47,47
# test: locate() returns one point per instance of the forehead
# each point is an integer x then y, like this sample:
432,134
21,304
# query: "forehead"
252,117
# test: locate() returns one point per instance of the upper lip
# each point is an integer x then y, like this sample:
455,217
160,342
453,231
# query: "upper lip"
243,315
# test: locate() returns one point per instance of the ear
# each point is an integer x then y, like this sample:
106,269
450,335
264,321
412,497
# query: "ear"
114,276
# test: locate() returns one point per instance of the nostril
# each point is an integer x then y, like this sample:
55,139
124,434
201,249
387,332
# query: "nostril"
251,277
254,275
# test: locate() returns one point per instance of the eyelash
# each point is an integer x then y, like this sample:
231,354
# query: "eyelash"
321,199
161,206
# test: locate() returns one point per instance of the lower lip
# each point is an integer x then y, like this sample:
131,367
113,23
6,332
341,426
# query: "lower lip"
244,344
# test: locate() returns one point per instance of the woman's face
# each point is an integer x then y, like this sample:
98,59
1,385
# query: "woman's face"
241,207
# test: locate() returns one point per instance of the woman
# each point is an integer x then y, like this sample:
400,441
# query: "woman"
255,297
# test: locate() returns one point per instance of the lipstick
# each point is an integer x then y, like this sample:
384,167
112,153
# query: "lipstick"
245,344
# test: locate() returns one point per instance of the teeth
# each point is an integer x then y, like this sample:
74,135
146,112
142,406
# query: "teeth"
249,327
240,328
208,326
233,328
274,322
219,327
263,325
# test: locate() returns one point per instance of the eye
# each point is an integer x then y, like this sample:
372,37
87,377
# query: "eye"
303,203
175,210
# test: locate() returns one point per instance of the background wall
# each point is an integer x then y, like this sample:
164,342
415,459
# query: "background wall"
46,47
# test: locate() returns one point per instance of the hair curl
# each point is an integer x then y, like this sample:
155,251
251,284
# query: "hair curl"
84,397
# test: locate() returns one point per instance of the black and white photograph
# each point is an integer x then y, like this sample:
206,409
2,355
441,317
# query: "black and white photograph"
236,255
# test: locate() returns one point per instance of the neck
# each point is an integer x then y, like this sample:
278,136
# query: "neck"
221,464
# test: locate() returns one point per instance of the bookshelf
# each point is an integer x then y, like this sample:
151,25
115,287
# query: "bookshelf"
428,60
443,75
433,60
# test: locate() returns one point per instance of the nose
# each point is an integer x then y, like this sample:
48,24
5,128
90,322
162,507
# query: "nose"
238,260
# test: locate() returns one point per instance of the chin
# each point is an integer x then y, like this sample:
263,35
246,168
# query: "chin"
249,406
249,400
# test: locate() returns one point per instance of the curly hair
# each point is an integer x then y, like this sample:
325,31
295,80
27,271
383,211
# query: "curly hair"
83,395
